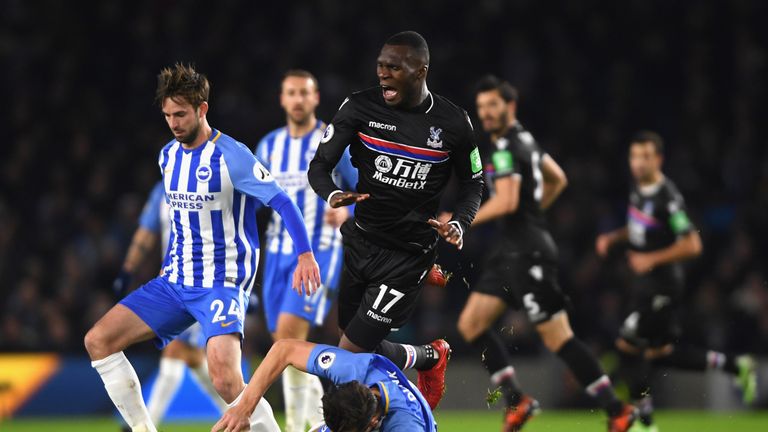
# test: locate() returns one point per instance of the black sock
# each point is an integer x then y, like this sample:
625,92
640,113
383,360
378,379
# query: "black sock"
645,406
419,357
498,363
697,359
590,375
635,370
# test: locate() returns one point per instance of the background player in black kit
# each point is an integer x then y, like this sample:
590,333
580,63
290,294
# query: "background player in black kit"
521,268
405,142
660,237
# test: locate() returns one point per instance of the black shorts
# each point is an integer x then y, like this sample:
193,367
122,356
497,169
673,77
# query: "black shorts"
652,321
379,287
524,280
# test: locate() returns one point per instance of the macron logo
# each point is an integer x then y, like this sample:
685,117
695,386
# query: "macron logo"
377,125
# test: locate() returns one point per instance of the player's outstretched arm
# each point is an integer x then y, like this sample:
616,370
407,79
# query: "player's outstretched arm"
555,181
468,169
306,277
284,353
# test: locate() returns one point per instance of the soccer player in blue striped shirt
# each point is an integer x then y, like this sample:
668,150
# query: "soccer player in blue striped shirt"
188,349
212,185
286,153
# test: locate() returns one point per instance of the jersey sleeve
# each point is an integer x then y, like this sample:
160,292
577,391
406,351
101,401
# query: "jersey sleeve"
469,171
262,153
504,164
248,175
678,221
339,133
338,365
150,215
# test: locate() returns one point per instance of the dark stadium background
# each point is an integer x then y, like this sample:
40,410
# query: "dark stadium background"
82,134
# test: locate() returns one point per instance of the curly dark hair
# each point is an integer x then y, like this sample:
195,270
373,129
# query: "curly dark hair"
182,82
349,407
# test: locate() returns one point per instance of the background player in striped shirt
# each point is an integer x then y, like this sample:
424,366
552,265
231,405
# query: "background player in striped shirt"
371,393
187,350
213,185
286,153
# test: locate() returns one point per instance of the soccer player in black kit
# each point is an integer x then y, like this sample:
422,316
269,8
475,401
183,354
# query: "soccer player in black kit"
521,267
660,236
406,142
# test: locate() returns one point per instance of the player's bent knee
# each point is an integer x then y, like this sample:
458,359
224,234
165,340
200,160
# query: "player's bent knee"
97,344
554,340
226,385
470,329
554,333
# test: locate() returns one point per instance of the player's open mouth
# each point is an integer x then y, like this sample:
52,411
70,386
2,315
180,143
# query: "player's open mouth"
390,93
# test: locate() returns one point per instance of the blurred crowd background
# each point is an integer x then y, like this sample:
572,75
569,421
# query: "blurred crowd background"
82,137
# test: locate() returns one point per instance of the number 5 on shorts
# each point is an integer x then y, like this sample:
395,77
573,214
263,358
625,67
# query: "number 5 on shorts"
531,305
218,305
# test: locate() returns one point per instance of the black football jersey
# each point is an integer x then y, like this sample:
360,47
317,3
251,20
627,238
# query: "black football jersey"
404,158
656,216
518,154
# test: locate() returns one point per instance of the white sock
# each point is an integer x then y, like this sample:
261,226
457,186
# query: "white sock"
314,401
166,385
262,419
124,388
296,389
203,379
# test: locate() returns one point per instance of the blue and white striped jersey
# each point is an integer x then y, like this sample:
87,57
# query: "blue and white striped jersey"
213,192
288,158
154,216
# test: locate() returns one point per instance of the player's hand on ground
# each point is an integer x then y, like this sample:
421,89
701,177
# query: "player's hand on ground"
234,420
347,198
448,231
306,277
336,216
641,263
121,283
602,244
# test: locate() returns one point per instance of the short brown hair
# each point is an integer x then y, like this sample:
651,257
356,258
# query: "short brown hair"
182,81
647,136
301,73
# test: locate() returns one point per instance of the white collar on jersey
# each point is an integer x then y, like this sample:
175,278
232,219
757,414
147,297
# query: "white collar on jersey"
651,189
431,102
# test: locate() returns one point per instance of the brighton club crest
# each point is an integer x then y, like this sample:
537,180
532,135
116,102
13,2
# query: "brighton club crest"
434,140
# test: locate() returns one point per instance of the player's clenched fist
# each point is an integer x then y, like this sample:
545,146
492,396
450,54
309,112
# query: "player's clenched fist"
306,277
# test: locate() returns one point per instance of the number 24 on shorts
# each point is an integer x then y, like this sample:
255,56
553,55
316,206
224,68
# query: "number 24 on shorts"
217,306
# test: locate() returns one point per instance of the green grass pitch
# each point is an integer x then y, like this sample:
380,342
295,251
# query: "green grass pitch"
454,421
